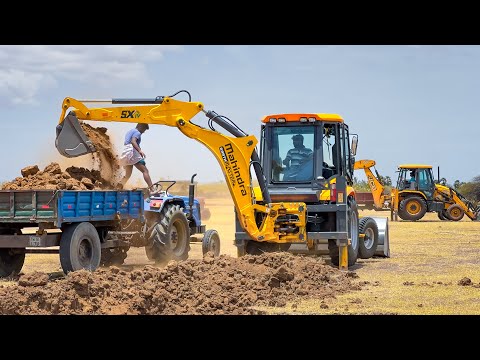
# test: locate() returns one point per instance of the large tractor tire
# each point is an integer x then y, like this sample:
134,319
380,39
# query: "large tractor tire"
11,261
368,245
211,242
80,248
352,229
170,237
412,208
455,212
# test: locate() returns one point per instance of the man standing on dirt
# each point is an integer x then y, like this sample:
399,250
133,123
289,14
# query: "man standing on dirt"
133,155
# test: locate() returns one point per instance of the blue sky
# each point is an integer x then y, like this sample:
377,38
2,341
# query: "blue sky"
408,104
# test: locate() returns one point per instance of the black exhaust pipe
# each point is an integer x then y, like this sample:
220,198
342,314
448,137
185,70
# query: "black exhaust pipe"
191,196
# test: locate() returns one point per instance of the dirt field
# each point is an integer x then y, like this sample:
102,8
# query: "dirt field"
434,269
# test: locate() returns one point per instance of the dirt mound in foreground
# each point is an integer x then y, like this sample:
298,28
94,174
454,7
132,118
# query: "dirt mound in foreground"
223,285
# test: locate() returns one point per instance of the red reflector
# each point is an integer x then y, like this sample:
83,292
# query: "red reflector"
45,207
69,206
333,192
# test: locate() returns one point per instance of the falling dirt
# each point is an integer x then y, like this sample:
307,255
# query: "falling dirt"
104,158
221,285
104,174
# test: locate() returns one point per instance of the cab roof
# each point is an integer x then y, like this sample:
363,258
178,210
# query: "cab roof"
296,117
414,166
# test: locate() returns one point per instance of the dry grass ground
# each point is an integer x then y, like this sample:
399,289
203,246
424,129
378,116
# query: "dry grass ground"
428,260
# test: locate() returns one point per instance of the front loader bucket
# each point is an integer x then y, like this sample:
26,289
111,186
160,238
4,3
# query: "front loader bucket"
71,140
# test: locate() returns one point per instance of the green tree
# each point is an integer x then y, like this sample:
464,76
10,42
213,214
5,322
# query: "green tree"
471,190
360,185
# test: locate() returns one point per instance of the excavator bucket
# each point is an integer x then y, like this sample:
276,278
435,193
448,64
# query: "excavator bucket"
71,140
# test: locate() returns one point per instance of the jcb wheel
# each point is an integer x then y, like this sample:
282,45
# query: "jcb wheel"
442,215
455,212
412,208
368,245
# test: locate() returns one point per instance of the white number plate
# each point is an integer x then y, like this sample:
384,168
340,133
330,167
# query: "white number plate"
34,240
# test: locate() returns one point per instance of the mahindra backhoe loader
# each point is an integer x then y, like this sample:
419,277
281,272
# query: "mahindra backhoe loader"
305,207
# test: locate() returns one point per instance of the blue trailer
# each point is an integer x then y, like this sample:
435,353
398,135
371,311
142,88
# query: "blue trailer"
89,228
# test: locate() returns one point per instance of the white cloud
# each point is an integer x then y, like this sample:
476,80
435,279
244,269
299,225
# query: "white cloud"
26,70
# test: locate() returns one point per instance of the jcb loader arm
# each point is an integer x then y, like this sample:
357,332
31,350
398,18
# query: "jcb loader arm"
274,222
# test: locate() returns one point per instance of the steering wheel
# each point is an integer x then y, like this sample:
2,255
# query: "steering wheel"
159,186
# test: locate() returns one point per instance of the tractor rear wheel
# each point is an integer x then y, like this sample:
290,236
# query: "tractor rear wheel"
368,245
412,208
455,212
170,237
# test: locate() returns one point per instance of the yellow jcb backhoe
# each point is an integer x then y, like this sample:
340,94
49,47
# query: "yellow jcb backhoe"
417,193
312,205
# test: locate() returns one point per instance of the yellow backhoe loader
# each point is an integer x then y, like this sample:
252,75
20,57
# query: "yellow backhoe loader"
305,206
417,193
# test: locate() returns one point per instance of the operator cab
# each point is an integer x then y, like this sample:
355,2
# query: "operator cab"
416,178
298,149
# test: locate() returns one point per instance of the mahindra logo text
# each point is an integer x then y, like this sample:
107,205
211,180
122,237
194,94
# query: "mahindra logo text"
231,166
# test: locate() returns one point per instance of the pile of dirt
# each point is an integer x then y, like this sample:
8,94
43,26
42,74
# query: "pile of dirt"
222,285
75,178
53,178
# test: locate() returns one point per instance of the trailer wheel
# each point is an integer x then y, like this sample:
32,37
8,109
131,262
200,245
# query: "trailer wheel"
170,237
11,261
455,212
80,247
211,242
412,208
352,229
368,245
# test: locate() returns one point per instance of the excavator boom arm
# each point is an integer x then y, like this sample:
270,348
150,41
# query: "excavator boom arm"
232,153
